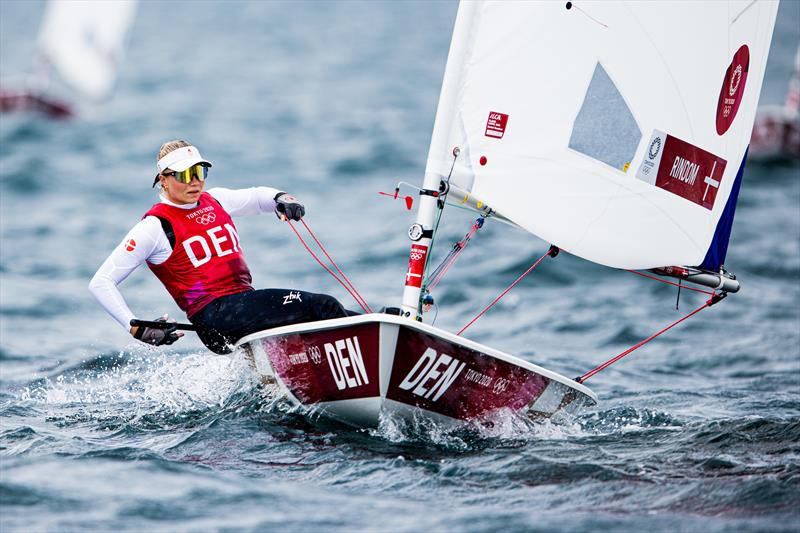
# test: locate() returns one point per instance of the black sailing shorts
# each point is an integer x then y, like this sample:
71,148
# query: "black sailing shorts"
229,318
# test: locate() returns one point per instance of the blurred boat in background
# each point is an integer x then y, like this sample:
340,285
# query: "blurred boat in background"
776,133
82,43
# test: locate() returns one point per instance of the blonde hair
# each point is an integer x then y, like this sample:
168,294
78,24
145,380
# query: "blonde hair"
169,146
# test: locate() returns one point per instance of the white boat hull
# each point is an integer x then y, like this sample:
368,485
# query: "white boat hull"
353,369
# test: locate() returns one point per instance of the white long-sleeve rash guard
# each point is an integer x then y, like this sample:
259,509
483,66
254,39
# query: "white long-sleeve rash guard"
152,246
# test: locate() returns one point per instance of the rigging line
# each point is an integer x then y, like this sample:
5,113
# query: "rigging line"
440,203
549,252
711,301
339,270
669,282
444,267
439,273
447,262
425,275
310,251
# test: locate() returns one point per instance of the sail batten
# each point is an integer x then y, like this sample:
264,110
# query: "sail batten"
618,140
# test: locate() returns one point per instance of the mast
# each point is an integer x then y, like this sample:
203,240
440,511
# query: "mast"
421,231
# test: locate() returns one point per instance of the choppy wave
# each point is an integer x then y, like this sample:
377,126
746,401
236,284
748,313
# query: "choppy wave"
172,411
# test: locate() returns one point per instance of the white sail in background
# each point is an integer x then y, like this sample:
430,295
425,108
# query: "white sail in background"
614,130
84,41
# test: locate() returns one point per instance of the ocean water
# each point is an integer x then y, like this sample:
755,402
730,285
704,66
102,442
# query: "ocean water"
334,101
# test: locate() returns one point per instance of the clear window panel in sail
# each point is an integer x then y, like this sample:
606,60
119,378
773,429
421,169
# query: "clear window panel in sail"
605,128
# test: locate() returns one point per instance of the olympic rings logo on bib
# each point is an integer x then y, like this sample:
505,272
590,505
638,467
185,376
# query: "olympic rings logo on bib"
206,219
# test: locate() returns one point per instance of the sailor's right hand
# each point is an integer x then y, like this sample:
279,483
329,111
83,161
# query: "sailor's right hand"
157,336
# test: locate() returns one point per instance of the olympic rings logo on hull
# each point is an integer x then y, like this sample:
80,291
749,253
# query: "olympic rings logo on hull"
316,355
500,385
206,219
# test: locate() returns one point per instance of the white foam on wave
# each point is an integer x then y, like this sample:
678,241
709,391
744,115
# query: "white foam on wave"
501,425
149,380
506,424
626,419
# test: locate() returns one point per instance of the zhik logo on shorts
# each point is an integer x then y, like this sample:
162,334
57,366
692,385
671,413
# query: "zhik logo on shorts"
292,296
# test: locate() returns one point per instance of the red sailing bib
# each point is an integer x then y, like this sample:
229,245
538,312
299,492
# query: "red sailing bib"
206,261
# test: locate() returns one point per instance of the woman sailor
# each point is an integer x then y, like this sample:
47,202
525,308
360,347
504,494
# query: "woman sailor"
190,242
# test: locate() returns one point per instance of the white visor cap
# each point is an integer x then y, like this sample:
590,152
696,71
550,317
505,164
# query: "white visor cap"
181,159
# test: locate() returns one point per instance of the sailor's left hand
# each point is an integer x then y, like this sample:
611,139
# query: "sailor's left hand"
288,206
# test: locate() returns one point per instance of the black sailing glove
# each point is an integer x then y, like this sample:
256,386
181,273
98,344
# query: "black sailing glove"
158,336
287,205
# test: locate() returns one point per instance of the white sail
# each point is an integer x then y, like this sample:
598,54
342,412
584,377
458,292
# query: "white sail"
614,130
83,40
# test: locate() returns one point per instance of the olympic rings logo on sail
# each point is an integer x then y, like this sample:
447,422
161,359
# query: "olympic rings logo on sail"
206,219
416,256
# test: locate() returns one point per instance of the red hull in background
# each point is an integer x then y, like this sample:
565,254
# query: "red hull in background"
11,100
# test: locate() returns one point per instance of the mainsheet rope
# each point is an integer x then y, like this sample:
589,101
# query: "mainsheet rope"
680,286
346,283
339,270
716,297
